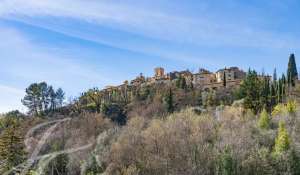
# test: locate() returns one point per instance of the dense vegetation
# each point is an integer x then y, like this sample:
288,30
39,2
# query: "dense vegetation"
164,129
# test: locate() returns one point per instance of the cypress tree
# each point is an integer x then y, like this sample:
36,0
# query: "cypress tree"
224,79
170,102
275,75
283,79
265,93
292,73
279,91
273,95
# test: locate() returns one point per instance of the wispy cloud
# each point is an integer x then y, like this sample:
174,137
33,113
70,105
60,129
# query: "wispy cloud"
205,30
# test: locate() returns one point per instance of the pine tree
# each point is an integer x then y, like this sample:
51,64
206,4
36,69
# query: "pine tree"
11,147
282,142
264,120
292,73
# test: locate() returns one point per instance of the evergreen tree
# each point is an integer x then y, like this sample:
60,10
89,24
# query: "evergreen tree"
226,163
60,97
283,78
292,73
40,98
273,95
278,91
282,142
181,82
265,94
224,79
170,102
250,90
11,147
264,120
291,107
52,98
275,75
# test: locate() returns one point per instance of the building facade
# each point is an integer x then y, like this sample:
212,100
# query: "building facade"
232,73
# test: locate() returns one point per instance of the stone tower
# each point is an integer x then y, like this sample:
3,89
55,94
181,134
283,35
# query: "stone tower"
159,72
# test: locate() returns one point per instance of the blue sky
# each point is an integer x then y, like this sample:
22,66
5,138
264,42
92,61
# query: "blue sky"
79,44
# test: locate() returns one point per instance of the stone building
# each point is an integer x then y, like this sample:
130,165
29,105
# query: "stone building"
203,77
232,73
138,80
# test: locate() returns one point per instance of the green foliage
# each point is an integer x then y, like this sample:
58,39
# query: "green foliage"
278,109
226,163
181,83
291,107
292,73
264,120
93,97
250,90
40,98
282,142
11,146
170,102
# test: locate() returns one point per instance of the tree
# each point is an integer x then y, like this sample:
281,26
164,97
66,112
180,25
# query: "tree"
226,163
96,97
275,75
282,142
40,98
170,102
224,79
52,98
292,73
264,120
11,147
60,97
250,90
273,95
32,99
181,82
265,94
291,107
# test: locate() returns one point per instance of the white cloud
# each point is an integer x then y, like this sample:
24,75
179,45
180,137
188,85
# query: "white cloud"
199,31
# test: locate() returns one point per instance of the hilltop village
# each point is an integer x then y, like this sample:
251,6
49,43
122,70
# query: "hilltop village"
204,79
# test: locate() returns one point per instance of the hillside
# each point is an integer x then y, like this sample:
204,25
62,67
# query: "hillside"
170,127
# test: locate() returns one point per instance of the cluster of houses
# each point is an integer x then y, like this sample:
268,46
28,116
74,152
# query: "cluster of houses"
204,79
